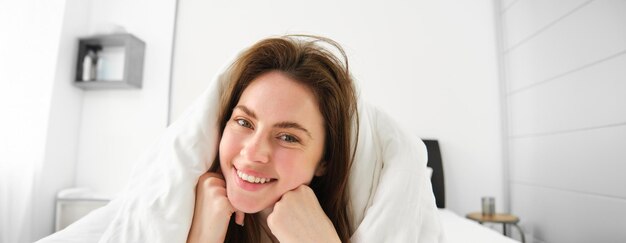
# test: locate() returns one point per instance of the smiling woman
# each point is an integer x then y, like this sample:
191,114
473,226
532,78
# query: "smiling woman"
285,121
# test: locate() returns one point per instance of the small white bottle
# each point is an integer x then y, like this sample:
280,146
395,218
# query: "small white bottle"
89,69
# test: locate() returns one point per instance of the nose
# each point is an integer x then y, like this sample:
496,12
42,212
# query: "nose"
256,149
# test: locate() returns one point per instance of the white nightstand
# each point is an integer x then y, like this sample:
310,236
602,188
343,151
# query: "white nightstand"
74,203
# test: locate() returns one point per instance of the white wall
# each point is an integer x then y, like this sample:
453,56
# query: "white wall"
59,161
55,135
566,94
117,126
430,64
33,93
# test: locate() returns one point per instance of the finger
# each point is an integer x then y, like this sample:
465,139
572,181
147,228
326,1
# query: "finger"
239,217
211,181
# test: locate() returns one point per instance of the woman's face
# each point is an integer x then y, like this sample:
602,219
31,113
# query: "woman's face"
272,143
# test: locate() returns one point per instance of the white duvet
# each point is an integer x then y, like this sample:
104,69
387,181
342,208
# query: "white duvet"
391,195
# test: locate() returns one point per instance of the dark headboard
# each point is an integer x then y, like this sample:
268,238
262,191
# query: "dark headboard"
434,161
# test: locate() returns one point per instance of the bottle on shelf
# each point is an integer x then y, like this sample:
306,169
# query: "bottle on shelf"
89,66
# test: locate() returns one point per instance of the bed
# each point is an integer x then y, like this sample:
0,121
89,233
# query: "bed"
157,204
456,228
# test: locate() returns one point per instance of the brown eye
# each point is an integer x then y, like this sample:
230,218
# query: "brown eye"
243,123
288,138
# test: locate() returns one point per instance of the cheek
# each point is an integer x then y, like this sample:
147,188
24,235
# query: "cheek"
227,148
295,170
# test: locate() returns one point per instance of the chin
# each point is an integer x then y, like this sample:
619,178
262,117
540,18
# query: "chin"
246,204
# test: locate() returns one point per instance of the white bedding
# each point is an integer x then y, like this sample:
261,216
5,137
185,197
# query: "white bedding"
391,195
458,229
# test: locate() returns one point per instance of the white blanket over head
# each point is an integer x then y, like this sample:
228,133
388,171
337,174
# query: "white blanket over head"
391,195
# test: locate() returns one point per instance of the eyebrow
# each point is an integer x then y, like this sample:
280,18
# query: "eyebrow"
246,110
285,124
293,125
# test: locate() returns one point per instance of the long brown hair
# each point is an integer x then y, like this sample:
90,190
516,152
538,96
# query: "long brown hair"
305,60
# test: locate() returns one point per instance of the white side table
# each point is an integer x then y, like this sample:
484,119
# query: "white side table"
73,204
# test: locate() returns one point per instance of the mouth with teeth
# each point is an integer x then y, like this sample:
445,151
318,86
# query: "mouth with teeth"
253,179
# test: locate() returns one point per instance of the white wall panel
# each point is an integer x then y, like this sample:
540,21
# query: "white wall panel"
587,98
562,216
507,4
586,36
527,17
566,102
589,161
30,41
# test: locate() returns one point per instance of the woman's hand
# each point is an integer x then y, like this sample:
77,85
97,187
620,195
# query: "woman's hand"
298,217
212,211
